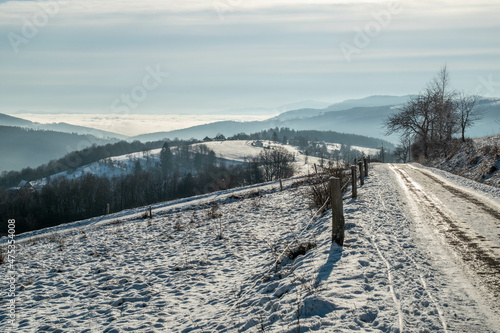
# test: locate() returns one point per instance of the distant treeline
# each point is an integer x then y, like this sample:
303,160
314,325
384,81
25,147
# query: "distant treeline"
301,138
76,159
313,143
182,172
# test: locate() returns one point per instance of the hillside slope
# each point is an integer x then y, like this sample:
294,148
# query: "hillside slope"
477,159
6,120
199,267
232,152
22,147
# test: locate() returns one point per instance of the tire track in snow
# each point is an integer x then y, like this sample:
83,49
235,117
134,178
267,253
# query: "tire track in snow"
391,284
462,194
424,285
417,266
484,265
388,266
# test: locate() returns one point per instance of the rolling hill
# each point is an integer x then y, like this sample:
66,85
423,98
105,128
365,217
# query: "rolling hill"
6,120
24,147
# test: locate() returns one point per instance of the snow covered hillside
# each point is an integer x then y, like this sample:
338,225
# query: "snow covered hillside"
231,151
240,150
421,255
477,159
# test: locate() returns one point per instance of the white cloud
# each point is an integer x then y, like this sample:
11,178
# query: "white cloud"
263,53
136,124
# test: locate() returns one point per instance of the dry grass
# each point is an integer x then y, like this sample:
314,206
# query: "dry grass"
319,191
214,212
301,249
2,256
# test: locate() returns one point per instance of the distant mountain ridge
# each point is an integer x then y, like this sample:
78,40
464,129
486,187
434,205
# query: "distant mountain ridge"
376,100
312,104
371,101
26,147
6,120
359,119
363,116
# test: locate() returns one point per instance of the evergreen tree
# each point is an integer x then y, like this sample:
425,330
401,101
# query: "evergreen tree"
275,137
166,159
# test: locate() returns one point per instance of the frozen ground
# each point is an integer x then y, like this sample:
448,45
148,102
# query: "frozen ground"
421,255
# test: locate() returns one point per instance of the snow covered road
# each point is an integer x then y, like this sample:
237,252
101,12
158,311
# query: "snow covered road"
461,227
420,255
468,222
411,225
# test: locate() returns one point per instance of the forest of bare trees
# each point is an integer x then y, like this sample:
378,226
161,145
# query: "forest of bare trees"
184,170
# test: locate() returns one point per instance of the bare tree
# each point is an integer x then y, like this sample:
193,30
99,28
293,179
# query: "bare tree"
402,151
444,121
414,119
468,112
276,163
434,116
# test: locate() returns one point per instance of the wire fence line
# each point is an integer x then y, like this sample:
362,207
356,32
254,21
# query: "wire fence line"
347,177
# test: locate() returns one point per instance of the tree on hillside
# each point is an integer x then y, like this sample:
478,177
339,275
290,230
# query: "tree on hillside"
276,163
166,159
468,112
275,137
434,116
220,137
414,119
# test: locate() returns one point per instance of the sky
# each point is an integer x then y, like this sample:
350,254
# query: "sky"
196,57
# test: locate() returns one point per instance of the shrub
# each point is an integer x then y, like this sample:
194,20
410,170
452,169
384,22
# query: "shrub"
214,212
301,249
319,191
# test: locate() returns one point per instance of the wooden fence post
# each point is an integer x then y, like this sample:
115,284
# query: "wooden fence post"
365,160
361,174
315,168
354,182
338,222
107,209
281,185
150,213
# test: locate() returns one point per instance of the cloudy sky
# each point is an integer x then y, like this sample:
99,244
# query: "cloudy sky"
114,56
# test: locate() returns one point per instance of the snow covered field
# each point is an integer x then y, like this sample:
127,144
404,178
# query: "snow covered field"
239,150
230,151
415,259
367,151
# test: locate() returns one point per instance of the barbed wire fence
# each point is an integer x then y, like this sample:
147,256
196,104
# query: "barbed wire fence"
347,176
